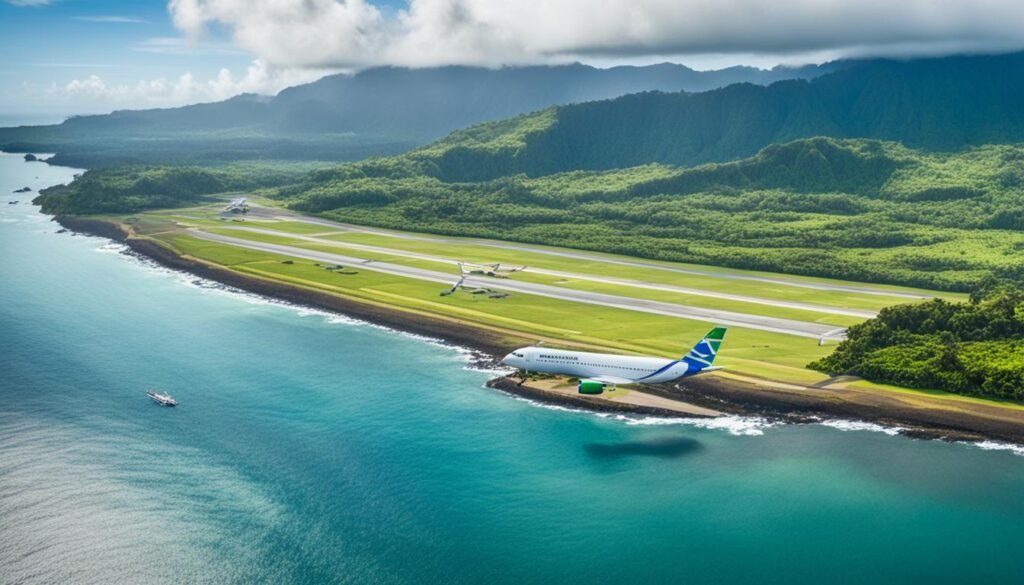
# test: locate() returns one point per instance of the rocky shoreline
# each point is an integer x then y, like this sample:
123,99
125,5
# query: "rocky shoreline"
740,397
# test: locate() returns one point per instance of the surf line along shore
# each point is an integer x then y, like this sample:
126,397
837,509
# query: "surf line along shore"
915,415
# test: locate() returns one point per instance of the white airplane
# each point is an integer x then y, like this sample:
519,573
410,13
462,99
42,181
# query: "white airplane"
597,370
495,270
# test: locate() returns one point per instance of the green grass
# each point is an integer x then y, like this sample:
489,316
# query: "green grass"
473,252
585,285
856,210
747,351
866,385
481,253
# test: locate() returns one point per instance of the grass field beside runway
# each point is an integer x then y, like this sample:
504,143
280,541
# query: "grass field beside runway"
485,251
471,252
771,355
748,351
711,302
475,250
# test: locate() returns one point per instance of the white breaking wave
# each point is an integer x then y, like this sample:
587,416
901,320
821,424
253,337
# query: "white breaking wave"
856,425
739,426
734,425
112,248
997,446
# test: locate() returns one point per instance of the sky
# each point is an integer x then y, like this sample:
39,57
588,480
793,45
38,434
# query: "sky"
64,57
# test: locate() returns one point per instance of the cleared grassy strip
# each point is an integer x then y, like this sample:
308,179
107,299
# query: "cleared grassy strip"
748,351
952,398
600,256
475,250
200,220
305,226
585,285
485,254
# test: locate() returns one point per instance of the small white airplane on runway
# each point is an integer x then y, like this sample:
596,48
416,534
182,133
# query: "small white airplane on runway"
597,370
495,270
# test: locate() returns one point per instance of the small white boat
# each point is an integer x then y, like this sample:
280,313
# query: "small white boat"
162,399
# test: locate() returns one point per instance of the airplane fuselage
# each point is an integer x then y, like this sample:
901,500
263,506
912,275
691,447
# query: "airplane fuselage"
648,370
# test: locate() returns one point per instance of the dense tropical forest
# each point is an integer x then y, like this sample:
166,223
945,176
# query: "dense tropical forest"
850,209
970,348
135,188
936,104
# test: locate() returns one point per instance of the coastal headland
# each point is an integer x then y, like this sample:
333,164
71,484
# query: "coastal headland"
915,413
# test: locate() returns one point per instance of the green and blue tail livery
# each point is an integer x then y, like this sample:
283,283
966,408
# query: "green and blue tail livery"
703,354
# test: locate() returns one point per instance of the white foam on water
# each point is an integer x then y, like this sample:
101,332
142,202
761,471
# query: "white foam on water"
856,425
997,446
735,425
739,426
112,248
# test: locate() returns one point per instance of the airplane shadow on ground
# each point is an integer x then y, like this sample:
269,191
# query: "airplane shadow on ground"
665,448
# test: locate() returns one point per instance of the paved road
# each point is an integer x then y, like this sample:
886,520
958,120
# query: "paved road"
728,318
863,314
858,289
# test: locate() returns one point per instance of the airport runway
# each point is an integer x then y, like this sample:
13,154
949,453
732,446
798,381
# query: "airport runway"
712,316
863,314
859,289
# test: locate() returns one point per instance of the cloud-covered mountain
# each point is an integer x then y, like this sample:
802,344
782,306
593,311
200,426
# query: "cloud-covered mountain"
377,111
420,33
938,104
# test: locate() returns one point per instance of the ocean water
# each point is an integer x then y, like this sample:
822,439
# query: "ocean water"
312,449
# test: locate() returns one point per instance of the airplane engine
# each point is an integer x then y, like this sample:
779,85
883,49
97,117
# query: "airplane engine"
590,387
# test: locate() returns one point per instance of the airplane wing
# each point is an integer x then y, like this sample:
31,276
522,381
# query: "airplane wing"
614,380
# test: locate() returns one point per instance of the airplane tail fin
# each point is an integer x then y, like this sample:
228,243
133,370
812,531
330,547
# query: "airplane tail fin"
703,354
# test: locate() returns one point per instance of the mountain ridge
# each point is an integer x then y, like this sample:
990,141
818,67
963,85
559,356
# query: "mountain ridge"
936,104
377,111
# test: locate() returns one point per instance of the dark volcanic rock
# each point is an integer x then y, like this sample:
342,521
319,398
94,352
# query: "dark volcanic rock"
23,190
30,158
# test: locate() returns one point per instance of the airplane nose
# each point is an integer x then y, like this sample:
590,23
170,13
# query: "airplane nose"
507,360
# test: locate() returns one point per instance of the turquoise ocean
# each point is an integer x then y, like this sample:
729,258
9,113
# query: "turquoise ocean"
309,448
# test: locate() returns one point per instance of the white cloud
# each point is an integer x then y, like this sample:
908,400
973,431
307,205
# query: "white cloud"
92,91
354,33
29,2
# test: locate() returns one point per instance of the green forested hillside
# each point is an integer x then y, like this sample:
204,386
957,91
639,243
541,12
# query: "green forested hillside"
853,209
346,117
938,104
970,348
129,189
